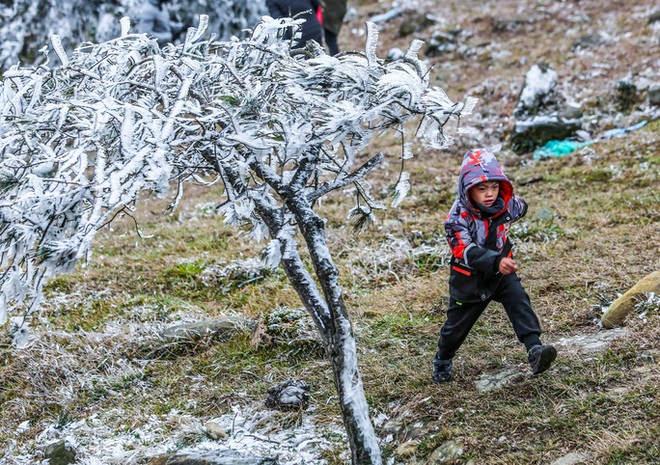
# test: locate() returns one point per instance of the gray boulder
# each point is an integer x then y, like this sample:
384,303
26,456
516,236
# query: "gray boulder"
224,457
221,328
541,113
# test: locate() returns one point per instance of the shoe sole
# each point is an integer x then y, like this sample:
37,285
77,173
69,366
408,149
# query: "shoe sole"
548,355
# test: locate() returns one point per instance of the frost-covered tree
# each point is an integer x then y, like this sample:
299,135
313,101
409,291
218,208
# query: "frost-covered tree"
27,25
278,128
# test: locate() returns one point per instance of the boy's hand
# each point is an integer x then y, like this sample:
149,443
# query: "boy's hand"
507,266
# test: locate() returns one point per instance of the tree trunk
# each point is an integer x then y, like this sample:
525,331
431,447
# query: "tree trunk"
328,311
339,337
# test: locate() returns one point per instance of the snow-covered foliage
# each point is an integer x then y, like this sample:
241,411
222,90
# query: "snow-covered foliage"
27,25
80,141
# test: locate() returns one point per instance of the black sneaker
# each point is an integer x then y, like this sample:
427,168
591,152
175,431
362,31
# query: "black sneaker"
541,357
441,371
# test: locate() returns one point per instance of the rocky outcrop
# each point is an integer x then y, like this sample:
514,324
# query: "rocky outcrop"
542,114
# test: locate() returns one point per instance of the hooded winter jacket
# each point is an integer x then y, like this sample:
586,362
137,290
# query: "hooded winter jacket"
478,241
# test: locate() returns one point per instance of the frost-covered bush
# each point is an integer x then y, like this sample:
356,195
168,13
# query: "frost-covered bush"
80,141
278,128
27,25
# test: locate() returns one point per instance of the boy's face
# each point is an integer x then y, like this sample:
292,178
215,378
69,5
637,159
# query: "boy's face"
484,193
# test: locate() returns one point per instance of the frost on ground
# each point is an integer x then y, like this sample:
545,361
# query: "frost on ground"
115,437
64,367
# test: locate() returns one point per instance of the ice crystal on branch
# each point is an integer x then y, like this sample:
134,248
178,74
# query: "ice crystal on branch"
80,141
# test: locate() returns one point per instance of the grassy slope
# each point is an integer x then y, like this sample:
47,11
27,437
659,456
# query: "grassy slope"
603,236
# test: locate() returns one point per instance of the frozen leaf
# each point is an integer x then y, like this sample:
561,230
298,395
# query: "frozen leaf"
125,23
272,254
372,43
401,189
57,46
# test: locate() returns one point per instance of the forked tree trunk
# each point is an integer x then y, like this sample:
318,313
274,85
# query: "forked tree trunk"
327,309
335,326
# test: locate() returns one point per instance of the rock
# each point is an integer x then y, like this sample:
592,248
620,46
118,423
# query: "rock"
225,457
215,431
494,381
290,395
528,135
292,327
655,17
627,95
654,95
418,22
572,459
447,453
60,453
442,42
538,92
541,113
590,343
618,310
222,328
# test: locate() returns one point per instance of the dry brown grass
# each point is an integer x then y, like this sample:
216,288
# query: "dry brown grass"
603,236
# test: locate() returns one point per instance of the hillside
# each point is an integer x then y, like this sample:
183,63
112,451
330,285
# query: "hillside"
104,375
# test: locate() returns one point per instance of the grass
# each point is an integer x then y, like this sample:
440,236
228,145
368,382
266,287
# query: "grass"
575,250
591,233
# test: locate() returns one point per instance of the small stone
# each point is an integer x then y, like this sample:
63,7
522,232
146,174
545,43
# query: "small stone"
571,459
447,453
407,449
60,453
215,431
289,395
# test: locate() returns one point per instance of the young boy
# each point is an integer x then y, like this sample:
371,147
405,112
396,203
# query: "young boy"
481,267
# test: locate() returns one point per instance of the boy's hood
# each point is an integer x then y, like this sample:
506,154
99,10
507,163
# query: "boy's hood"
480,165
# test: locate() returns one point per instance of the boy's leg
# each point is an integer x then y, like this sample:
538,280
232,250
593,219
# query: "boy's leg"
461,317
518,307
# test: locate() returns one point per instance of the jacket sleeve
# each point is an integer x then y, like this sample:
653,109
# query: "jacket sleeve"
463,248
517,208
483,259
457,233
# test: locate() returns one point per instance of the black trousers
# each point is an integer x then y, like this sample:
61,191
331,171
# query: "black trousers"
331,42
461,317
